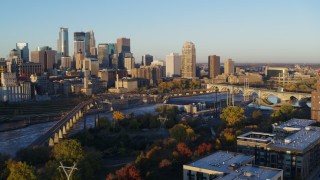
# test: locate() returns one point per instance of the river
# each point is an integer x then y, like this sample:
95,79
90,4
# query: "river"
12,141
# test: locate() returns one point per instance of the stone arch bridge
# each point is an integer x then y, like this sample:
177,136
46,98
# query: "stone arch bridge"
262,93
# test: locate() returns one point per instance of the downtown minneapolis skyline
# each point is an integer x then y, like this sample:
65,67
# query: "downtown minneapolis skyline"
247,31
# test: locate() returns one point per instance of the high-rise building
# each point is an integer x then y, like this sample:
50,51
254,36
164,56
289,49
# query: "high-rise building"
92,65
79,60
103,55
79,42
129,64
45,56
23,51
14,53
214,66
152,74
123,46
66,62
315,103
90,43
228,66
63,42
146,60
173,64
188,60
113,49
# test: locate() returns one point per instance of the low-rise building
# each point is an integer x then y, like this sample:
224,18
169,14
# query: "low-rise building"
228,165
292,147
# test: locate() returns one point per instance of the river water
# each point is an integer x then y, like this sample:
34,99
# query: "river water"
12,141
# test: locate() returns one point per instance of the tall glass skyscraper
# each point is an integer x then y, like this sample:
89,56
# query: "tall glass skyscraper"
63,42
79,42
23,51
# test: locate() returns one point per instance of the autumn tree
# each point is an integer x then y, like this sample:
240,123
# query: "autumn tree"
164,163
184,150
182,132
118,116
68,151
129,172
233,115
20,170
203,148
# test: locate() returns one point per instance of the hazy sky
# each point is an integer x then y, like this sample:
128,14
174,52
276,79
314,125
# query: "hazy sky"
244,30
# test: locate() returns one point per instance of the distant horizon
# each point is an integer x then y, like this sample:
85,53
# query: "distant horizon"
245,31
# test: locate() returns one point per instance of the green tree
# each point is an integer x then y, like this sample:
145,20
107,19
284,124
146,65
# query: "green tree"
34,156
20,171
68,151
104,123
4,172
182,132
232,115
287,112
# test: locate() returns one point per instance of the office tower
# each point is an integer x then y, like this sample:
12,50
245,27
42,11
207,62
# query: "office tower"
79,60
188,60
214,66
229,66
63,42
146,60
79,42
45,56
113,49
66,62
23,51
103,55
90,42
148,74
123,46
14,53
173,64
92,65
93,51
129,64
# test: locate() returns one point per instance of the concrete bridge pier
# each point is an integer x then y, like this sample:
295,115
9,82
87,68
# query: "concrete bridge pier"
56,138
68,126
64,131
71,123
51,143
74,119
60,134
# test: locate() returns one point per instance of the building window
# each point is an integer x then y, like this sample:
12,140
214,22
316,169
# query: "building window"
190,175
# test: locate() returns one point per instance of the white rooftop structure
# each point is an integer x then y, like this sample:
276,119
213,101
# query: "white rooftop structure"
294,124
299,141
227,165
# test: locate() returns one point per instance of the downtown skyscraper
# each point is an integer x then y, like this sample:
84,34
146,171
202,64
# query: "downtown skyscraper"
63,42
90,43
23,51
79,42
214,66
188,61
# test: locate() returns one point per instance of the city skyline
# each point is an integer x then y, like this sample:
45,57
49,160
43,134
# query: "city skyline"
272,31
